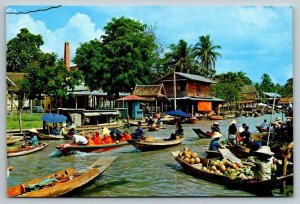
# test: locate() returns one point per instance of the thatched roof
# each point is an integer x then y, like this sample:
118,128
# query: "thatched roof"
248,89
285,100
150,91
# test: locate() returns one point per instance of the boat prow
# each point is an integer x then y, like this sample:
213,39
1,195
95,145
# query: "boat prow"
25,150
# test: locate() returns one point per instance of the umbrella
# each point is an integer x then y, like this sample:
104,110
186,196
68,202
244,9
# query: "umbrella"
178,113
53,118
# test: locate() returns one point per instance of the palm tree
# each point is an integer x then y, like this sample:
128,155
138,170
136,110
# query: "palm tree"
205,52
181,57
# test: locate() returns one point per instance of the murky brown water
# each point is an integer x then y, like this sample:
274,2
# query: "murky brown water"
134,173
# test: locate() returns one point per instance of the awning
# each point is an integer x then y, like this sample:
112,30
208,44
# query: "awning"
204,106
247,101
101,113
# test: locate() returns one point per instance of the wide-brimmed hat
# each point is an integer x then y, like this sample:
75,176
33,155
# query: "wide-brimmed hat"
277,119
233,121
216,135
33,130
63,125
216,123
105,131
266,150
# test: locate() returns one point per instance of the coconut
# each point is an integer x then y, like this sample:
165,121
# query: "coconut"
197,160
186,149
187,160
187,156
192,161
194,155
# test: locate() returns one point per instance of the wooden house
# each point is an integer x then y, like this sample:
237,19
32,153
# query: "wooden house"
249,97
192,94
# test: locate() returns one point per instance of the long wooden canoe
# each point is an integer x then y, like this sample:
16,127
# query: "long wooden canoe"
43,136
262,188
25,150
201,133
154,145
239,151
67,149
217,117
61,182
213,154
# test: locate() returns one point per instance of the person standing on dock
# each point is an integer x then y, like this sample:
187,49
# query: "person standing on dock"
232,131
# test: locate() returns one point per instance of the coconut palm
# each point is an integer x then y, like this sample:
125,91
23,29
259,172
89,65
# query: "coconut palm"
180,57
205,52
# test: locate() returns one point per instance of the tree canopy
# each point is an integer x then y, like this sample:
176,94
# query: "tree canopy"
122,58
23,50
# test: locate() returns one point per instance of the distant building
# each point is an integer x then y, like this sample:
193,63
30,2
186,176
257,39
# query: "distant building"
268,97
285,101
193,93
249,97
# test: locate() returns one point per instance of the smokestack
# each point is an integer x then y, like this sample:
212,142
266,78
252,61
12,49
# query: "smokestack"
67,55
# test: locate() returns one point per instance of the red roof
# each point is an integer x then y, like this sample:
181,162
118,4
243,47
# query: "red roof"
132,98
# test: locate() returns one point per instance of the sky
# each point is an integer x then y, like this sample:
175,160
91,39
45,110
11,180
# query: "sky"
254,40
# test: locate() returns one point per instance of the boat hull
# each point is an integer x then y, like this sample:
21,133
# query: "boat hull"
24,151
71,181
151,146
201,134
90,148
43,136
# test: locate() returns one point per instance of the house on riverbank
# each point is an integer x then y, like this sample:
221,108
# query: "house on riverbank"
193,93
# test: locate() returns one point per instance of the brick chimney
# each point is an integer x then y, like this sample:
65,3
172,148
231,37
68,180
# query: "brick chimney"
67,55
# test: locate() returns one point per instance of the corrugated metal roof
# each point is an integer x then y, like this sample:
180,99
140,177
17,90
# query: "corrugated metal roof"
132,98
195,77
199,99
272,95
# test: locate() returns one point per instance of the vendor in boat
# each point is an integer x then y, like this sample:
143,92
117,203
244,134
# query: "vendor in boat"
178,133
150,122
77,139
242,128
232,131
264,126
215,127
139,133
55,130
33,141
127,136
265,163
97,138
214,143
107,139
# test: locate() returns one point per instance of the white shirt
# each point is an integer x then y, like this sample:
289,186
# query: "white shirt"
241,129
80,139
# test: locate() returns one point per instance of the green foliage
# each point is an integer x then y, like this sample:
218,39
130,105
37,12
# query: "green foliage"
180,58
23,50
123,57
28,121
205,52
226,91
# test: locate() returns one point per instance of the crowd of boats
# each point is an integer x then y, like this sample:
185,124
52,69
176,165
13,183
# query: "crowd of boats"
277,138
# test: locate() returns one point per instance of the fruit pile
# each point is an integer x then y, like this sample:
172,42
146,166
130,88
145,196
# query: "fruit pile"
222,167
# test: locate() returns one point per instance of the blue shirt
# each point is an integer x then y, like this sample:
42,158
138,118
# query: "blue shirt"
33,141
139,133
265,125
214,145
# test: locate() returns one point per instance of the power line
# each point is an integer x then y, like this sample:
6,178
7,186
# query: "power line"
38,10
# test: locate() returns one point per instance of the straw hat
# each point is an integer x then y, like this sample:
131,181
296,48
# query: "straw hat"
216,135
233,121
216,123
278,119
265,150
72,131
33,130
105,131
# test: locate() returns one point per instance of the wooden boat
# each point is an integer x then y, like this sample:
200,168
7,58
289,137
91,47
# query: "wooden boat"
12,141
213,154
260,129
217,117
239,151
43,136
256,186
61,182
67,148
25,150
154,145
153,128
201,133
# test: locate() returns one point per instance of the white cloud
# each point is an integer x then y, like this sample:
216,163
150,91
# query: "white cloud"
79,29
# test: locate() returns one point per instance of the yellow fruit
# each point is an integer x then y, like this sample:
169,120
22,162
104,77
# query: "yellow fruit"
186,149
194,155
182,157
240,165
204,169
188,156
222,168
197,160
180,154
213,168
187,160
192,161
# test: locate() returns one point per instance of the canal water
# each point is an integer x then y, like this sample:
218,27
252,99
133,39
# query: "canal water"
134,173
